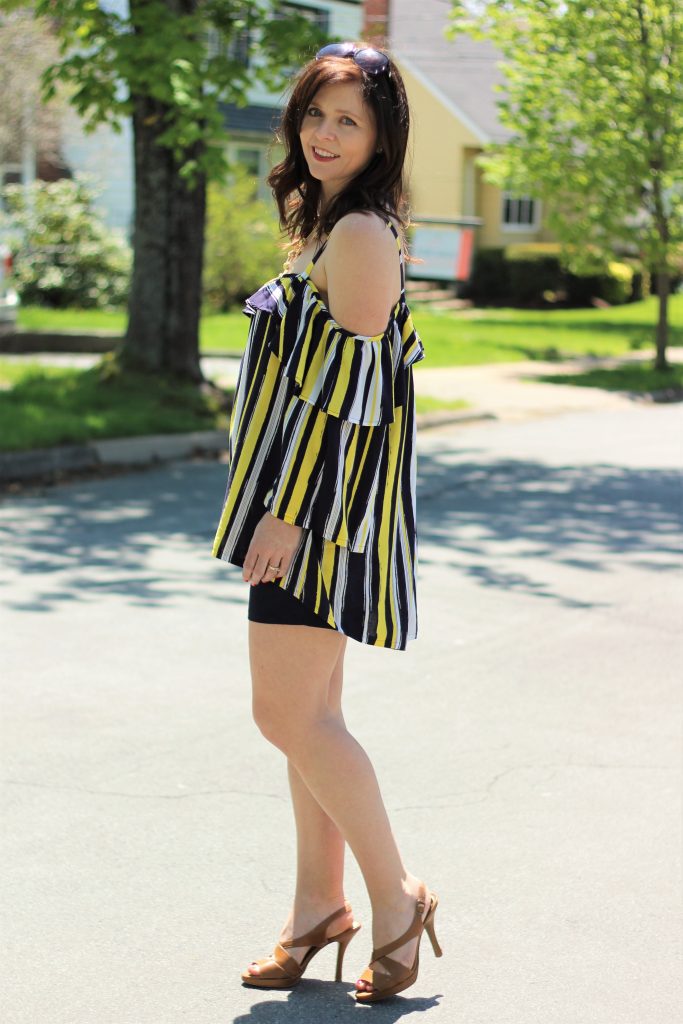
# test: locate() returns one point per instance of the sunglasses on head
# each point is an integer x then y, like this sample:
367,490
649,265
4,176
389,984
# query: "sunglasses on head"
366,57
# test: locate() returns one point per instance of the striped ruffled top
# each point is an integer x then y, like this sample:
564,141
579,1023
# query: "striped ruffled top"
322,434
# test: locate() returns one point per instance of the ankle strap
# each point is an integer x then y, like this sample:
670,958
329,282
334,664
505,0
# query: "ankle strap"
414,929
316,935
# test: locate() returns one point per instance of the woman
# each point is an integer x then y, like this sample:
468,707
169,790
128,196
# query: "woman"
320,505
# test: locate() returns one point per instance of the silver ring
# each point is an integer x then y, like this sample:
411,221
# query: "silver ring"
275,568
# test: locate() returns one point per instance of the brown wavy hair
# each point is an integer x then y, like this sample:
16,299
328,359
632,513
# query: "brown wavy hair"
379,187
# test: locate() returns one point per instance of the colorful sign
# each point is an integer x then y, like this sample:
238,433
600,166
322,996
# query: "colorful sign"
446,253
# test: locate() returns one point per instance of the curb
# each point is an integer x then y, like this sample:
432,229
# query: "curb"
25,342
151,450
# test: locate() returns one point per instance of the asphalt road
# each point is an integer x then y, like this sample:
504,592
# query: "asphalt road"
527,743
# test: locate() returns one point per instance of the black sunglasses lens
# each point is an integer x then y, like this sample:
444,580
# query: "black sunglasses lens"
372,61
335,50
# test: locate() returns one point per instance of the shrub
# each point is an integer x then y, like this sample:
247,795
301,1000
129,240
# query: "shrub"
64,254
532,274
489,283
242,245
615,286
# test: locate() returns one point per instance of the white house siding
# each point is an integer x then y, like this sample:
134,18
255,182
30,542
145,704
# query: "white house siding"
108,157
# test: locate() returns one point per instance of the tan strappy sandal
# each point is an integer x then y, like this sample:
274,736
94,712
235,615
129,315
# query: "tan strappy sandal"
280,970
398,976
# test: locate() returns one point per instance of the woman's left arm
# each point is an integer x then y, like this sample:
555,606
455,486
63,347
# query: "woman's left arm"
363,278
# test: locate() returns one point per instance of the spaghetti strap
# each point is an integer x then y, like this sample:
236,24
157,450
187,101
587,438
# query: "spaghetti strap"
309,268
400,254
319,252
307,272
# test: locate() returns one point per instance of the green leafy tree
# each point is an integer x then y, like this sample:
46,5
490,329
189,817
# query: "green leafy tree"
594,102
154,65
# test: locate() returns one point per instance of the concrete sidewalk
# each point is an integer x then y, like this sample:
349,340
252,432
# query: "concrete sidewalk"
527,744
511,391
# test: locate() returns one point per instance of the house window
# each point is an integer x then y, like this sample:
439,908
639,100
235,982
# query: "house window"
250,159
519,212
317,15
10,174
239,47
236,48
254,161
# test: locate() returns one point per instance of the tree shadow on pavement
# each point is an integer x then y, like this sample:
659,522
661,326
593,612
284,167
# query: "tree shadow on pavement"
476,514
143,535
148,536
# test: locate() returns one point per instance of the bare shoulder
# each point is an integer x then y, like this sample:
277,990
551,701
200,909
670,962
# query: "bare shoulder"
364,244
359,230
363,272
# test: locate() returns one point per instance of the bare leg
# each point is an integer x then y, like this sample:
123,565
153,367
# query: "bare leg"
320,844
291,669
320,849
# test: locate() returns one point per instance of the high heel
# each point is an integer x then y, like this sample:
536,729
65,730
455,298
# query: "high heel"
399,977
280,970
343,941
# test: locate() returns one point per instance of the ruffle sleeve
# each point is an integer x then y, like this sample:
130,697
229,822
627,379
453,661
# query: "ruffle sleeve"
355,377
348,391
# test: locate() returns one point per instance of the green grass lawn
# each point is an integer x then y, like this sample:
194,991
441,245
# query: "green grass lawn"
218,332
459,338
475,336
37,318
42,406
425,403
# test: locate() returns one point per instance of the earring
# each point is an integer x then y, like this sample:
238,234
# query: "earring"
379,150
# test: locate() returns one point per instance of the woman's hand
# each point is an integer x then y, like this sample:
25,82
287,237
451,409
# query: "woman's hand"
271,550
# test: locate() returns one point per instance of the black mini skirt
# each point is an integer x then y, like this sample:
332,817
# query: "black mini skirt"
268,602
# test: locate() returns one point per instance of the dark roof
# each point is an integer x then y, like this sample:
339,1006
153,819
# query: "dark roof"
259,120
463,71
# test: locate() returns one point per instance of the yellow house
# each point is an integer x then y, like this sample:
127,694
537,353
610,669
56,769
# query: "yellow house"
450,86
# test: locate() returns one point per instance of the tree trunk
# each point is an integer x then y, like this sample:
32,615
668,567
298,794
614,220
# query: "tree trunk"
165,296
663,284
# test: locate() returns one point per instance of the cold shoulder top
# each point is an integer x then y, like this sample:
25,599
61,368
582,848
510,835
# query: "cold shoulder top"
322,435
